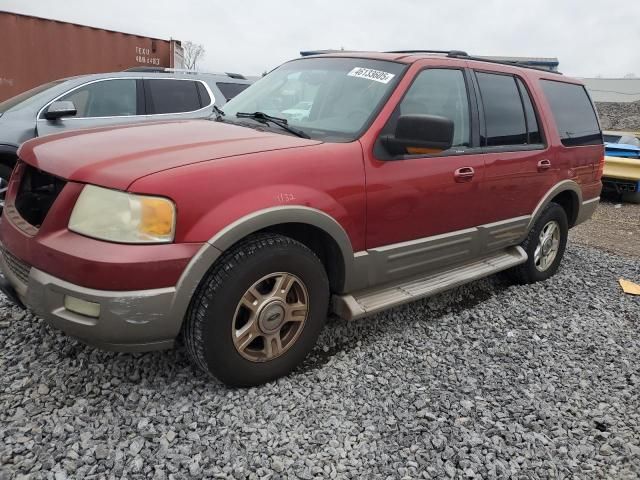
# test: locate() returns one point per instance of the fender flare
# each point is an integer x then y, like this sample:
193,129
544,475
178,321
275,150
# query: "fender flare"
269,217
565,185
251,223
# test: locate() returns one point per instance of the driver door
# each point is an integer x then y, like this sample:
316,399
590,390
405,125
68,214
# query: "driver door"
422,207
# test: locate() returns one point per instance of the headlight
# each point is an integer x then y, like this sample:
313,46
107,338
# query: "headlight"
123,217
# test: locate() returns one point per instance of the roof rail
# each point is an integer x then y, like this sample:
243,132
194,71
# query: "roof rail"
449,53
237,76
146,69
505,62
466,56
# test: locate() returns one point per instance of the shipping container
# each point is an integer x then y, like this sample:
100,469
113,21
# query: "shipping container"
36,50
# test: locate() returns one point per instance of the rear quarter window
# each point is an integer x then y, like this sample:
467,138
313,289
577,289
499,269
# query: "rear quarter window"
172,96
230,90
573,112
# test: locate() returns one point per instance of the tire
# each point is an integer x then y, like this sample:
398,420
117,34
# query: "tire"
535,271
5,175
217,315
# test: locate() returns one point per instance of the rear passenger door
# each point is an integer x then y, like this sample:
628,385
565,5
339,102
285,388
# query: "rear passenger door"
169,98
519,167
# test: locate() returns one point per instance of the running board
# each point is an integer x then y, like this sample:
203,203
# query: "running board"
374,300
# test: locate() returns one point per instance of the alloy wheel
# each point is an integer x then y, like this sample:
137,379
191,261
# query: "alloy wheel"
548,246
270,317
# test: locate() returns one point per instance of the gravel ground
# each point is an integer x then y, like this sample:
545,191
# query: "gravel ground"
615,227
489,380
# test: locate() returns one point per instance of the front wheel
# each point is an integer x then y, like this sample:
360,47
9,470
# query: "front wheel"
258,311
545,245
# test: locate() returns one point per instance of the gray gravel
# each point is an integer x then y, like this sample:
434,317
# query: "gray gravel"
490,380
623,116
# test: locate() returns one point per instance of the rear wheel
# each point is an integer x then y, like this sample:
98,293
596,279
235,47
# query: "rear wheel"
545,245
258,311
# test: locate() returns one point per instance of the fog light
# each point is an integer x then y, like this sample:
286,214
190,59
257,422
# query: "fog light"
77,305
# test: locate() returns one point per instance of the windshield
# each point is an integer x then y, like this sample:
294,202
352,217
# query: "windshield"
18,99
331,99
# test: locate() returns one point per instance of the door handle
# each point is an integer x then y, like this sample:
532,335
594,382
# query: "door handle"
464,174
544,165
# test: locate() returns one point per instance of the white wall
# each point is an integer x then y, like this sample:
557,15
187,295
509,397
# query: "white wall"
613,89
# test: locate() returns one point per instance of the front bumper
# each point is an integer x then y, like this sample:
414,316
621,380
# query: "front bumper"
128,320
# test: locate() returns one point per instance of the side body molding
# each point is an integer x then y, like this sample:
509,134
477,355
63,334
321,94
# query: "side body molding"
376,266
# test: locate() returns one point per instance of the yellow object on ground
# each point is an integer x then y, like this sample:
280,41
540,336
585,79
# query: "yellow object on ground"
621,168
629,287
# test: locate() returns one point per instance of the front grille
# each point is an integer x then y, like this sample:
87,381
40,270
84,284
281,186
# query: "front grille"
37,192
19,268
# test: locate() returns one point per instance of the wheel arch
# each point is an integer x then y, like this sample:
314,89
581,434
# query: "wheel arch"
567,194
317,230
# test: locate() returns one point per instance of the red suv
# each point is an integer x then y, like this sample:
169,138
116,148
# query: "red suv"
345,183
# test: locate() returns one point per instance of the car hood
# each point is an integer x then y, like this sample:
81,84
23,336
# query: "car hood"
115,157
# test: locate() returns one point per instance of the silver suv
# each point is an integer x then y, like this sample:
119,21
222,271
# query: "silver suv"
96,100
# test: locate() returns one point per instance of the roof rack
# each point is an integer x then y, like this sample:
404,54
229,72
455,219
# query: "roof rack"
506,62
237,76
449,53
466,56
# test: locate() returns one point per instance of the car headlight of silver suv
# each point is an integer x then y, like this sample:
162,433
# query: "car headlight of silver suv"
123,217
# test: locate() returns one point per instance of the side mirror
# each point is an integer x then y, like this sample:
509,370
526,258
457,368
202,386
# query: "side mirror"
59,109
420,134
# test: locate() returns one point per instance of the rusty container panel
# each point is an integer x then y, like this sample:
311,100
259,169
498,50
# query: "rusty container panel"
34,51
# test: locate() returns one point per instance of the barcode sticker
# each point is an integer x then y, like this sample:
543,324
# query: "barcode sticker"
371,74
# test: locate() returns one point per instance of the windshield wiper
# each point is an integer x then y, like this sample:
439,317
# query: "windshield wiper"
280,122
218,112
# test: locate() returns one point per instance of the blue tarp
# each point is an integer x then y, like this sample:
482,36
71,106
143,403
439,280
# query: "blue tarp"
621,150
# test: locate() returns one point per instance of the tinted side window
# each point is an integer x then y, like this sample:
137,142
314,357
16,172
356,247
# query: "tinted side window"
530,114
611,138
575,117
173,96
440,92
230,90
108,98
503,112
205,99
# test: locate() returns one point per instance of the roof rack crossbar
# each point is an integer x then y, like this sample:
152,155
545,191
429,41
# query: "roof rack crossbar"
449,53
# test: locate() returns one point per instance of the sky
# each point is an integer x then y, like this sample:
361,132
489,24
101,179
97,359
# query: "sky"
589,37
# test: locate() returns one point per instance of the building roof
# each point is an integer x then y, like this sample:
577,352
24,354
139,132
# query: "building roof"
619,90
7,12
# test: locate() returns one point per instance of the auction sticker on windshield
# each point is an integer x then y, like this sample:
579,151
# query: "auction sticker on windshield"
371,74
